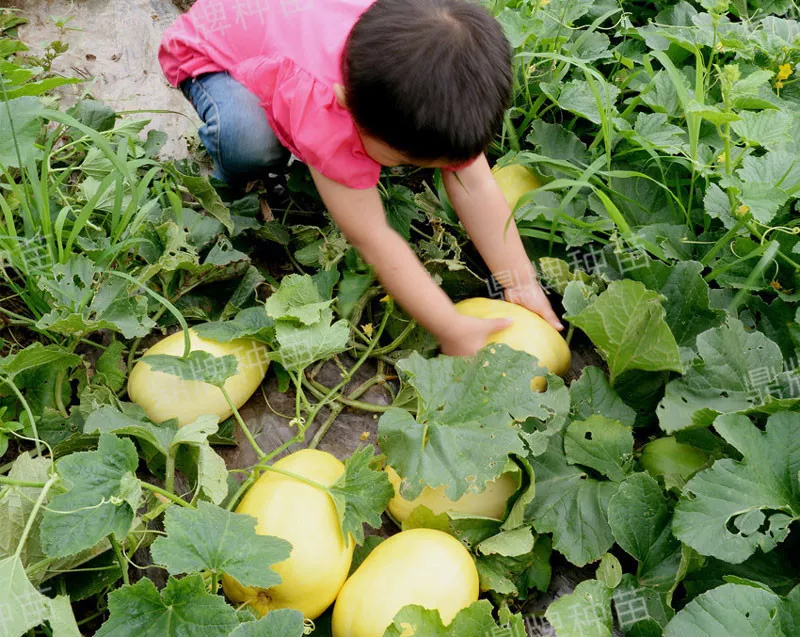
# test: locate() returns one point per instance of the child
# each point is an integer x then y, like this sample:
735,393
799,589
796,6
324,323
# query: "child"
349,86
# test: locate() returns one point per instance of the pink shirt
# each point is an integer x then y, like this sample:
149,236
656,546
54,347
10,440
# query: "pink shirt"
288,53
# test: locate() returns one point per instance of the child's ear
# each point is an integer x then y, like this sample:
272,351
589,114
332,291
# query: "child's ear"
341,97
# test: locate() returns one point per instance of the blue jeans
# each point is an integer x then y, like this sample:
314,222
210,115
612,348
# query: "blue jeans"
236,132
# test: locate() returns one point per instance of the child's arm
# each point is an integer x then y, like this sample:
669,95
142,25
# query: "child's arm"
360,216
483,210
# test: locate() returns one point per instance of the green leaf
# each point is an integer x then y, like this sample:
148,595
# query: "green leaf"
353,286
203,191
401,210
22,607
712,113
211,538
718,206
102,495
198,366
609,571
302,345
732,609
16,506
641,611
108,419
586,612
591,394
38,355
577,97
250,322
165,438
790,612
282,622
508,543
601,444
93,114
641,521
774,569
61,618
688,305
735,373
26,128
733,508
571,506
469,419
555,141
653,130
182,609
627,324
297,299
111,369
765,128
780,169
361,494
473,621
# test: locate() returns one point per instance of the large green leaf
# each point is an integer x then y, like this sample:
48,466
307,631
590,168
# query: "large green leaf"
641,521
38,355
736,372
16,505
211,538
102,495
470,418
361,494
601,444
473,621
165,437
297,299
571,506
586,612
19,132
733,508
732,609
22,607
183,609
282,622
249,322
198,366
627,324
591,394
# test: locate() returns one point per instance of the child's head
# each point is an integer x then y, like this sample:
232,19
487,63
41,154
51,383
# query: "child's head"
429,78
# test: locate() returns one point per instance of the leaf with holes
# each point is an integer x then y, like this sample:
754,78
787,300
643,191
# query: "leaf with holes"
470,418
734,508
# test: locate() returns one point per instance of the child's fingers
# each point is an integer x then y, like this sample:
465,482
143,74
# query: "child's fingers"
496,325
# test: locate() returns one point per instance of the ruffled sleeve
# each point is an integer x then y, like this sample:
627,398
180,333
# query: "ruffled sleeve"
182,52
307,119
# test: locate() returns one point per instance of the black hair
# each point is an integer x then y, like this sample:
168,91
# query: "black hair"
430,78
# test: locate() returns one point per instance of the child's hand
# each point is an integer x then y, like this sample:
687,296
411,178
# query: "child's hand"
532,296
466,335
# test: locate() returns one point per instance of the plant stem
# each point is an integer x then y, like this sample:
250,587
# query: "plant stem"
21,483
34,511
169,496
242,424
295,476
169,483
123,561
323,428
27,409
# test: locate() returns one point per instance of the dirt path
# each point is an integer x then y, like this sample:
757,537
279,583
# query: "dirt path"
115,48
